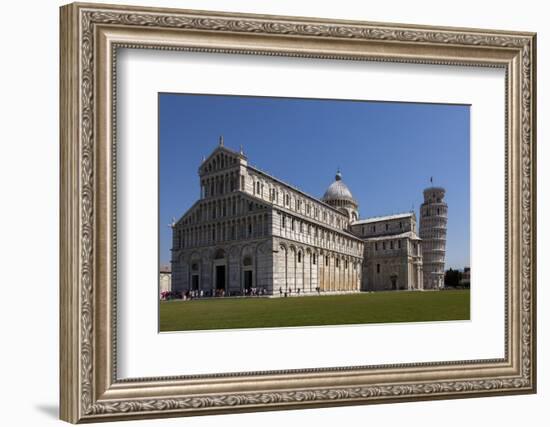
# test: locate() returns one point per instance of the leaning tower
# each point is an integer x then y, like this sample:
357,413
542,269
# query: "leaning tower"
433,232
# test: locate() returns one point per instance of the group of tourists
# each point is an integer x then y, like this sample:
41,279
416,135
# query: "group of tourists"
220,293
288,292
216,293
255,292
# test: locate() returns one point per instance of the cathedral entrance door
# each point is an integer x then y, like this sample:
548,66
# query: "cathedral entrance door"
220,277
393,279
195,282
247,279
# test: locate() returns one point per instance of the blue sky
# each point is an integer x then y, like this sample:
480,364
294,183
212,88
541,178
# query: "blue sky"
386,151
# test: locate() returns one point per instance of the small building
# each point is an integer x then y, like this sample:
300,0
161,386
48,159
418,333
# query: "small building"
393,255
165,279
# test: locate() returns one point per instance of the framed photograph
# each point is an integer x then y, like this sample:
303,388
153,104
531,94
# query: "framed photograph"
266,212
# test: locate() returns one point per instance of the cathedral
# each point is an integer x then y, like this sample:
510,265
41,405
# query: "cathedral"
251,232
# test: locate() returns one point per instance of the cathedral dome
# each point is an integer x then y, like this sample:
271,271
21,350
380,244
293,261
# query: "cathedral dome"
338,191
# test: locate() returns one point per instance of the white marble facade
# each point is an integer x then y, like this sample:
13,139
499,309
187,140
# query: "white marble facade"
251,231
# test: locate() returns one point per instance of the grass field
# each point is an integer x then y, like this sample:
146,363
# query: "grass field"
376,307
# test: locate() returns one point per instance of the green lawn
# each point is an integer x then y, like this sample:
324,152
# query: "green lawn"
376,307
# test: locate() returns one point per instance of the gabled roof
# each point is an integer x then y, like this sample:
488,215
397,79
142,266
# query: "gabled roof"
222,148
410,234
383,218
226,150
292,187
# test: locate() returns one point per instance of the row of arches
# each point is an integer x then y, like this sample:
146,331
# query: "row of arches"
251,226
221,208
310,270
297,229
220,184
226,271
218,162
239,269
434,210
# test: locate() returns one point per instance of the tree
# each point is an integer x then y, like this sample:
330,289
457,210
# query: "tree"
452,277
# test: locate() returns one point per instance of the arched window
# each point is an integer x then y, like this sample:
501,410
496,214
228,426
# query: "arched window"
314,259
247,260
220,254
299,256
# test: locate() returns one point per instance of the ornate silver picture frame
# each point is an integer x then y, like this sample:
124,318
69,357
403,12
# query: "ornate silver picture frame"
91,35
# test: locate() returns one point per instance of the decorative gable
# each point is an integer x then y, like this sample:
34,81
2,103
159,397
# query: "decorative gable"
220,159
